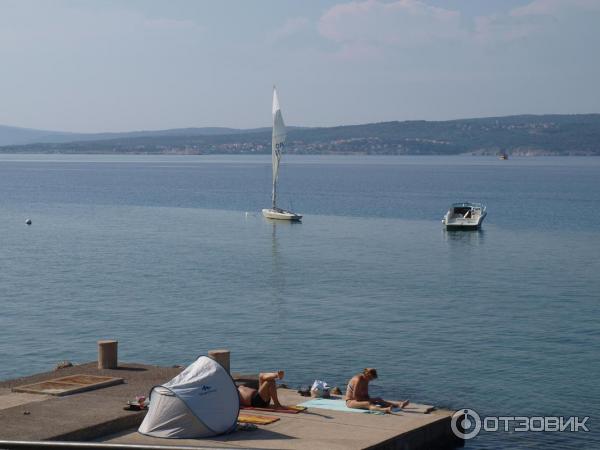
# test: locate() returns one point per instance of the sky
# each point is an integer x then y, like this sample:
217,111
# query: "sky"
119,65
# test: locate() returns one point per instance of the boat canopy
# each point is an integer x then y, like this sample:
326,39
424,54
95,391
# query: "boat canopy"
468,205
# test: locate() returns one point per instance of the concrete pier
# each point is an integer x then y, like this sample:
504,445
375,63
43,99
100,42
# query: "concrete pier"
99,416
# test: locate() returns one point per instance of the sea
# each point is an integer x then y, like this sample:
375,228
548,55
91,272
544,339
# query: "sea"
171,256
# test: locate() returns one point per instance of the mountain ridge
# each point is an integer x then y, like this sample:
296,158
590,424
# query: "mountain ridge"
527,134
10,135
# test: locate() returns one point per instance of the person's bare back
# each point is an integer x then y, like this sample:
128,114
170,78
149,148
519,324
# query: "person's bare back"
358,388
357,394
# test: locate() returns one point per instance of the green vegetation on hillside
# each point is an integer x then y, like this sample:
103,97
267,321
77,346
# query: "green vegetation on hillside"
522,135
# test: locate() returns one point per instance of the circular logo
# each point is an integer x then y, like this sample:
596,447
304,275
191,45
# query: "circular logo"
466,423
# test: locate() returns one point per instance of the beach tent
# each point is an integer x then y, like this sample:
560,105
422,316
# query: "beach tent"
201,401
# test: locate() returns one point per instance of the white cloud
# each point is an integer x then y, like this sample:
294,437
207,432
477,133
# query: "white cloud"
290,27
506,27
534,18
73,26
553,7
369,28
405,23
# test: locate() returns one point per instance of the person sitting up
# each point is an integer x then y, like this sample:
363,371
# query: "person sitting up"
357,394
267,391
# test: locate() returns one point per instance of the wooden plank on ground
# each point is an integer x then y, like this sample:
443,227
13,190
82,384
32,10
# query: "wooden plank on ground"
69,385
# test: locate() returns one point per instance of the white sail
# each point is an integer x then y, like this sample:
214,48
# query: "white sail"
277,143
276,150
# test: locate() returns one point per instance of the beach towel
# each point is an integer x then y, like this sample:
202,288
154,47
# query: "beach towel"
287,410
332,404
340,405
257,420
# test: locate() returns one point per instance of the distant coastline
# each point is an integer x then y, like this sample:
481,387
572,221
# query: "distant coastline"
521,154
524,135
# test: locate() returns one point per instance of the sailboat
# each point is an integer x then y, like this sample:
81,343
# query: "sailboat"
277,144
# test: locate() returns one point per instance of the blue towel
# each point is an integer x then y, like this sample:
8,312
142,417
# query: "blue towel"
333,404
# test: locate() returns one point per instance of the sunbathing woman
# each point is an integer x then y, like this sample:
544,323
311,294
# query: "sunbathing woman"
267,391
357,394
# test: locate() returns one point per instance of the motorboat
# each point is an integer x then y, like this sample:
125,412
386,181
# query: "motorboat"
465,216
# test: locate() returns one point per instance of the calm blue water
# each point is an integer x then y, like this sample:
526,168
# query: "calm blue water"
159,253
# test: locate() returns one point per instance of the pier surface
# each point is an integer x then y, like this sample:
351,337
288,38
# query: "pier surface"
99,416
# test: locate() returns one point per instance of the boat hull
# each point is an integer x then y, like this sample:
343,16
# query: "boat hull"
463,224
281,214
463,227
465,216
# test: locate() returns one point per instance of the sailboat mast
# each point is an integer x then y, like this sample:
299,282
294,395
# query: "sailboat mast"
274,194
274,151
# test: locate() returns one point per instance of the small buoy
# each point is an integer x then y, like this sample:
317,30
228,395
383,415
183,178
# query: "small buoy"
28,221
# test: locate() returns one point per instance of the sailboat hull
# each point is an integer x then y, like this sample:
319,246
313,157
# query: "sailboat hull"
281,214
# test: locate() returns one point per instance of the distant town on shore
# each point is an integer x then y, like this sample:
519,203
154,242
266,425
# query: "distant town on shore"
522,135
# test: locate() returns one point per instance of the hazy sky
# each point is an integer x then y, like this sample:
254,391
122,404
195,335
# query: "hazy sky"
124,65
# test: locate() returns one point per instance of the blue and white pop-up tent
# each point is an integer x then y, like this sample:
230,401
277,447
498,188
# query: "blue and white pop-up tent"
201,401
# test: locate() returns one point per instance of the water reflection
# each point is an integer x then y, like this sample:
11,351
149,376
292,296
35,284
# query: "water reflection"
277,265
274,245
461,237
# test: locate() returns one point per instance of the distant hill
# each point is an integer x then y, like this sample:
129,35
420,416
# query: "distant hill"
25,136
577,134
20,136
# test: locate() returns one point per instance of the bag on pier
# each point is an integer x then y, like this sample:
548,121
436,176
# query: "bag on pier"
201,401
320,389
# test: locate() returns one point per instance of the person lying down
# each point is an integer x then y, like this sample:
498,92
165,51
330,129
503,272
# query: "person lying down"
357,394
267,391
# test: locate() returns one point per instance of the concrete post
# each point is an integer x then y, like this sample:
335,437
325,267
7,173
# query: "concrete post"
107,354
221,356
